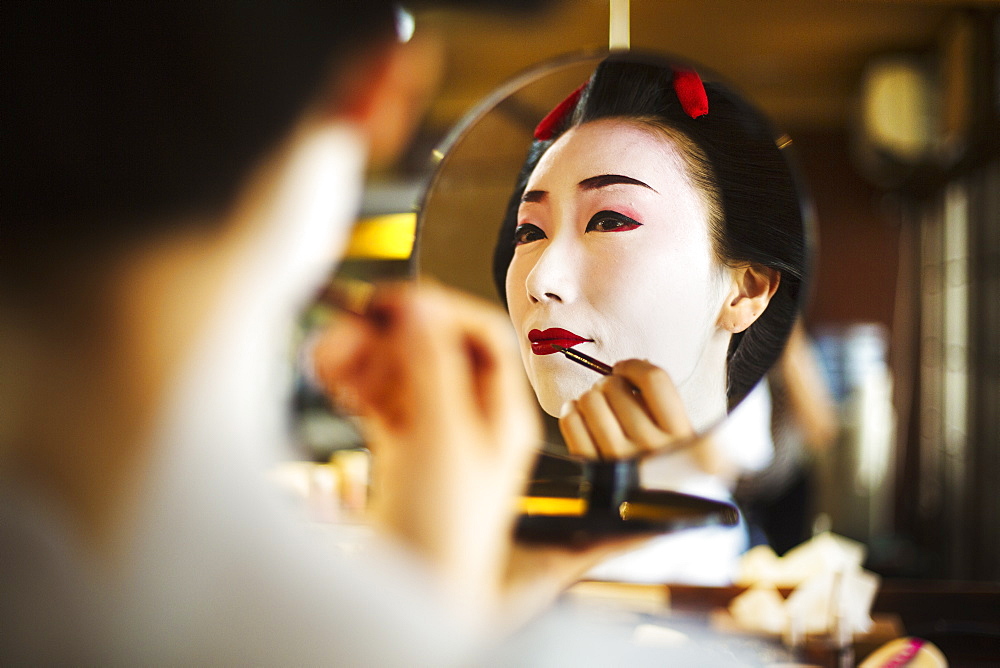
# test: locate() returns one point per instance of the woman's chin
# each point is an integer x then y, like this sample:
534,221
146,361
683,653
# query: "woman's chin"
551,409
553,395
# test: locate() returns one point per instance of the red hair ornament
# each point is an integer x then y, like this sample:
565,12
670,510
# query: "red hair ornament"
691,92
548,125
687,85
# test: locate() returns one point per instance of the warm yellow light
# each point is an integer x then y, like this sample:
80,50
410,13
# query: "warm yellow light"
388,237
551,505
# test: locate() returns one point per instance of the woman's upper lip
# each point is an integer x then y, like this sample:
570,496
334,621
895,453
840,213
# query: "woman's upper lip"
543,341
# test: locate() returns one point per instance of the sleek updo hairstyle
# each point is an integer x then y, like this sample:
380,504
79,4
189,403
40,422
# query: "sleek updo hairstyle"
754,198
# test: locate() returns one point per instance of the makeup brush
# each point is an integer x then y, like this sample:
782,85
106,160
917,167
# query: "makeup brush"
584,360
348,296
354,297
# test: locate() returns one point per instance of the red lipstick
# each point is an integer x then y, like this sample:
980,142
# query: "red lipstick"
542,341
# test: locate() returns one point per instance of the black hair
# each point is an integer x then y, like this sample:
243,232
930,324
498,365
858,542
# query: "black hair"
760,197
123,119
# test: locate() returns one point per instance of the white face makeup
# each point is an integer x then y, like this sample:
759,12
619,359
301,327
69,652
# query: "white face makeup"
613,247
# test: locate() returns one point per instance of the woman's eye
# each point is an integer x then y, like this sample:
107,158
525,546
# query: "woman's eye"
526,233
611,221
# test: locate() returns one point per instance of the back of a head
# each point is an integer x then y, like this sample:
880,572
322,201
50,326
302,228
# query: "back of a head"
123,120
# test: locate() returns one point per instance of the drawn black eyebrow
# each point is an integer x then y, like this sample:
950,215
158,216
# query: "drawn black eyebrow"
604,180
593,183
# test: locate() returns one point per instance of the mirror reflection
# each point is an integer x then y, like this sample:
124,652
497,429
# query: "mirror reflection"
655,226
644,224
650,225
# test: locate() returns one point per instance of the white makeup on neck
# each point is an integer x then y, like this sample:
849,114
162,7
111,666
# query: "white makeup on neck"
614,247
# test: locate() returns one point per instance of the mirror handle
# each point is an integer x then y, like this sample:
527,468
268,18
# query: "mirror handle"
619,30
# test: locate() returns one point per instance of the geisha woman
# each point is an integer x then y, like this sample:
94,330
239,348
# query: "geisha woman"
656,225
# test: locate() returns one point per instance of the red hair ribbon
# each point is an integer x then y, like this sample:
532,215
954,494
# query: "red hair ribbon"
691,92
548,125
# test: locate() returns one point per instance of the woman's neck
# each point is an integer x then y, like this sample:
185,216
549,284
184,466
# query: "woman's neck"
704,391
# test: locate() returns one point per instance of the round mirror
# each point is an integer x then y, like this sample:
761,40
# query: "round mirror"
626,206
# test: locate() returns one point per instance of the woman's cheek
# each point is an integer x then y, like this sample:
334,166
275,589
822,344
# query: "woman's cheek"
515,289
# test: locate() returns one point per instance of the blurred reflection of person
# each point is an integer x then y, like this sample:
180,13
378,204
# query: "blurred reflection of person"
779,500
656,225
179,177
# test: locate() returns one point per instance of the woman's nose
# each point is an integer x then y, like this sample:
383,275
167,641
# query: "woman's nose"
554,276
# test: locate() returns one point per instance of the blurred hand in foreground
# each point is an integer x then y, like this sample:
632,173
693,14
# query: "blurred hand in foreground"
435,377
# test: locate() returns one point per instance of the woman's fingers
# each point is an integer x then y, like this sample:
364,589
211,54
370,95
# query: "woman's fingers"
459,358
636,423
603,425
659,395
575,434
607,422
635,410
428,357
474,355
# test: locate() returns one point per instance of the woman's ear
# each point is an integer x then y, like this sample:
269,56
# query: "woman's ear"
386,91
753,285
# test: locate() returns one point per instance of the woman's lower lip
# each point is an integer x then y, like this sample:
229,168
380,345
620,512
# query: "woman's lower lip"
543,343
